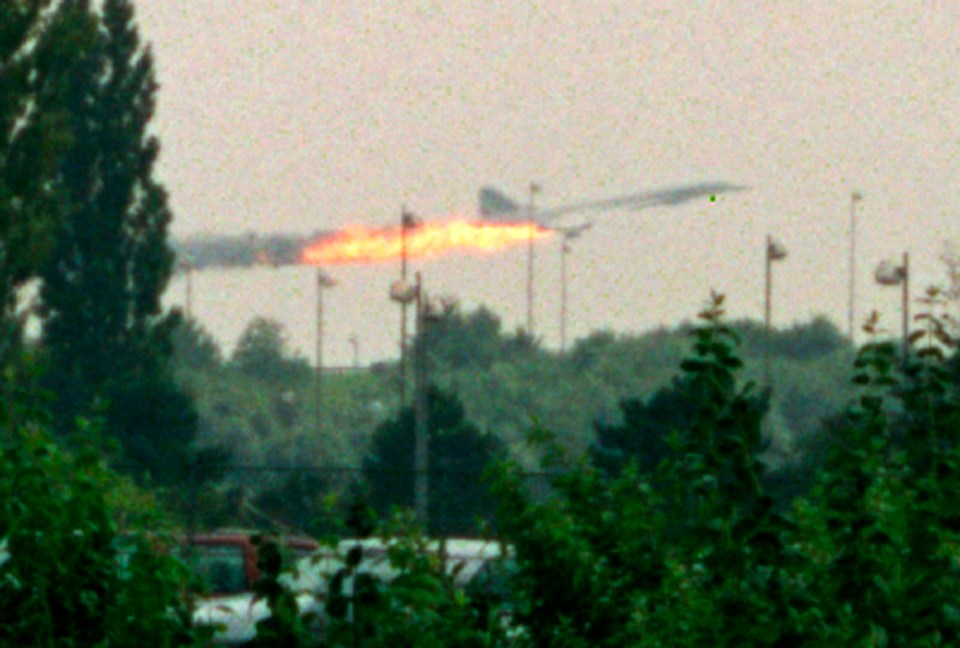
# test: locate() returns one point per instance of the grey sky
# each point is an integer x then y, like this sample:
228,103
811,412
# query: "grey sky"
293,115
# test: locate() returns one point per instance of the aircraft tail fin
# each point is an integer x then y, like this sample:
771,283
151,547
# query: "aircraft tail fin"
495,206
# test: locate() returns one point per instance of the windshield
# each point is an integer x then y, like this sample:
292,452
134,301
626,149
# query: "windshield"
220,567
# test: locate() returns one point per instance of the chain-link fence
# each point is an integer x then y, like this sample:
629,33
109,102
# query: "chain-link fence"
322,500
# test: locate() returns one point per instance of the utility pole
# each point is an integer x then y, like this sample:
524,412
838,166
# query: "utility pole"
855,197
531,208
774,252
407,222
324,281
355,343
890,274
905,306
188,297
564,251
421,422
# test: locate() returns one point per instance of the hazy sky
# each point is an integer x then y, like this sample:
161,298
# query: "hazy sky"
294,115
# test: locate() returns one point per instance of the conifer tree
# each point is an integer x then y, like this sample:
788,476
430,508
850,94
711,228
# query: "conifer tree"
107,337
31,139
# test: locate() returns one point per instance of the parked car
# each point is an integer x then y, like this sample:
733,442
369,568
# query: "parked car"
475,565
482,568
225,563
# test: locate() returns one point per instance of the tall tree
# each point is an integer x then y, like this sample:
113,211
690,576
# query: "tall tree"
262,352
31,141
104,329
459,453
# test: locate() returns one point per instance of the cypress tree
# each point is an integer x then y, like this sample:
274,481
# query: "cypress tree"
31,139
107,337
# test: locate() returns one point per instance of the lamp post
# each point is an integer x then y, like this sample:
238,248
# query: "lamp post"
774,252
569,234
855,198
407,222
355,343
564,251
890,274
404,293
534,189
187,268
324,281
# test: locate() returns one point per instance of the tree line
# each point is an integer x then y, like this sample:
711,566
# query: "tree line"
612,395
84,226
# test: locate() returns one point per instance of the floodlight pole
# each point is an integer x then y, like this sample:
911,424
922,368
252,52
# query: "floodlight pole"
534,188
564,251
890,276
855,197
323,282
188,297
421,432
355,343
407,221
905,307
768,295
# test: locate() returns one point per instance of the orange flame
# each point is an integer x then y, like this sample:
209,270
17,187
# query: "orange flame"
360,244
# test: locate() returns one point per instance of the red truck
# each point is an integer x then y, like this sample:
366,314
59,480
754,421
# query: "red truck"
226,561
226,564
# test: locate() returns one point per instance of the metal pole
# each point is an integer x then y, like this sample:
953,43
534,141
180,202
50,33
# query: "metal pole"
855,197
406,218
421,432
767,287
564,250
355,343
189,300
319,377
905,308
768,292
534,188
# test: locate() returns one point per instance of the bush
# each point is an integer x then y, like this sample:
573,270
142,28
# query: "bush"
693,551
68,575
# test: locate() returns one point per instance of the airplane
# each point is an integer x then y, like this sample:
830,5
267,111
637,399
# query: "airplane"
498,208
251,249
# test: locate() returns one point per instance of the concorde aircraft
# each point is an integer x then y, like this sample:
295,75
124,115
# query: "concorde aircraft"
249,249
497,207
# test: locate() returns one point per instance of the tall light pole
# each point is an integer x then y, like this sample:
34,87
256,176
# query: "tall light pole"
404,293
324,281
187,268
855,198
775,252
531,208
355,343
890,274
421,451
564,251
407,222
569,233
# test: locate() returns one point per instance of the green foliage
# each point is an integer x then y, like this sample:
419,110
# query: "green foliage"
420,605
459,453
262,352
32,141
458,340
275,422
106,339
694,552
68,575
194,348
698,555
888,498
641,559
284,627
401,593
